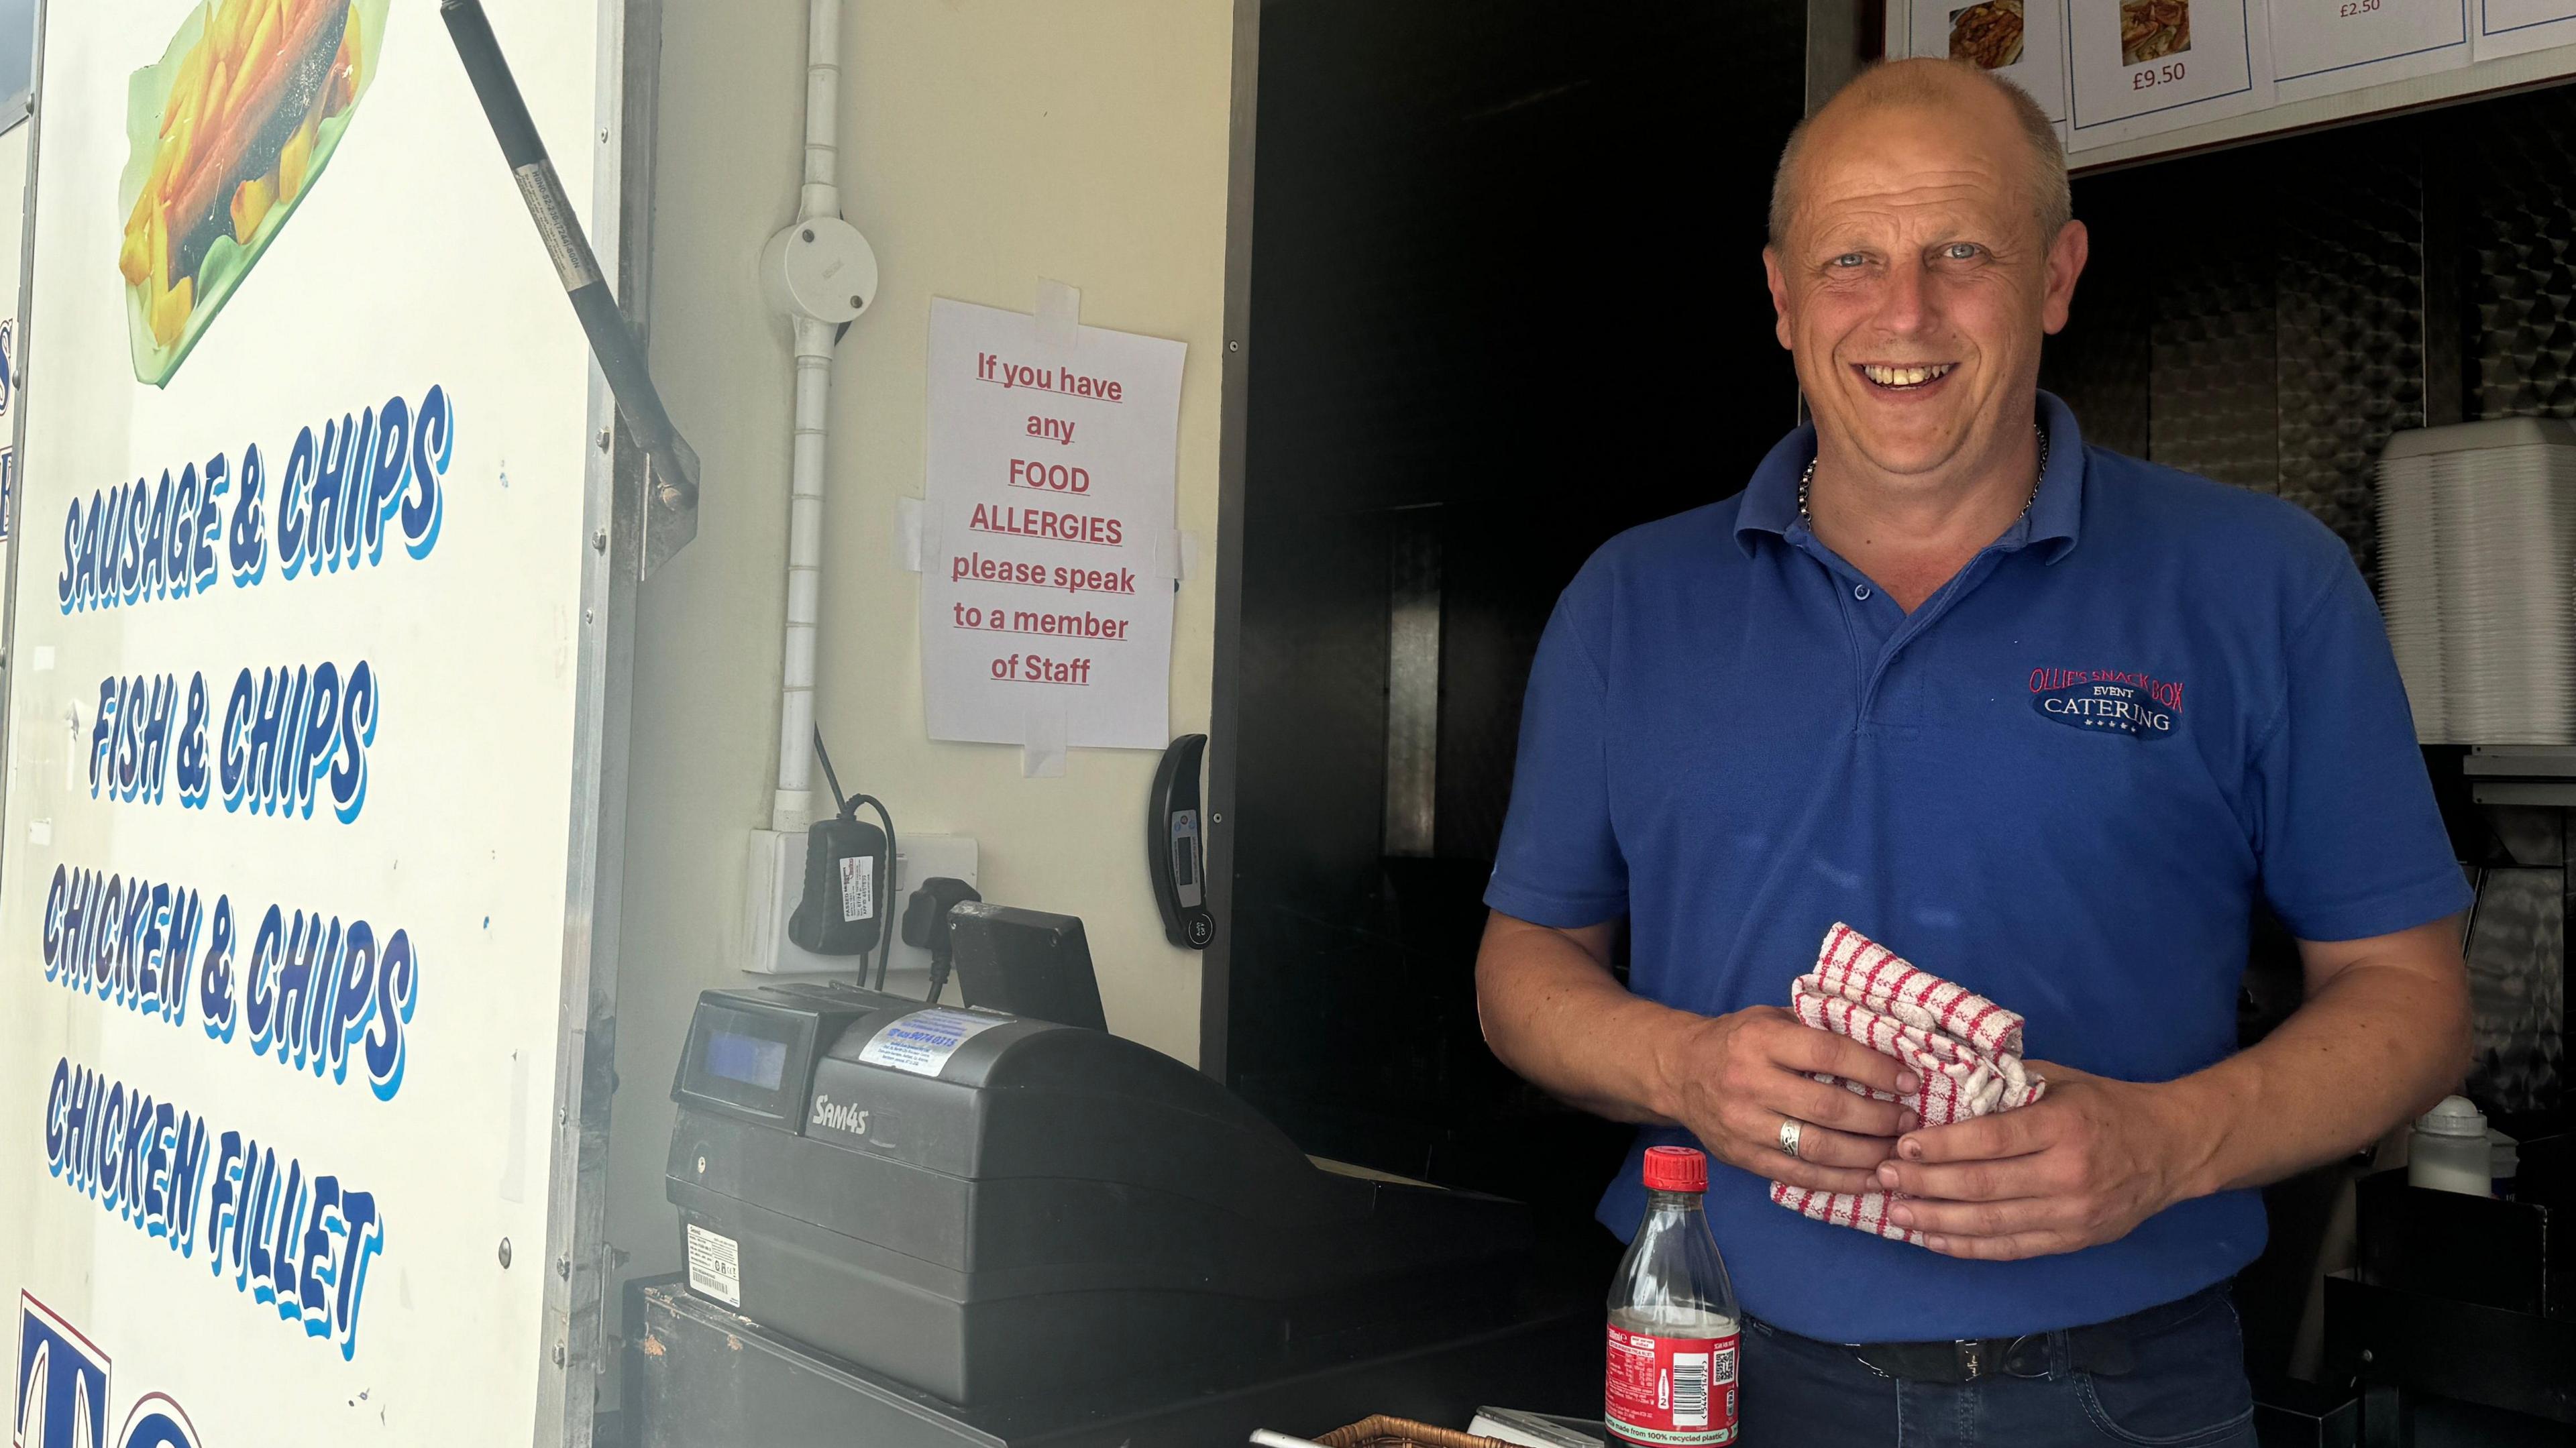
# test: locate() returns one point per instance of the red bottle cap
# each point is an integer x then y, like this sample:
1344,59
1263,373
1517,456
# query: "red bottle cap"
1675,1169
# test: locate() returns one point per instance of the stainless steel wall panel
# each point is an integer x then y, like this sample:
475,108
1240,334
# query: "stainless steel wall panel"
1413,683
2213,407
2521,231
2350,290
2517,990
2101,362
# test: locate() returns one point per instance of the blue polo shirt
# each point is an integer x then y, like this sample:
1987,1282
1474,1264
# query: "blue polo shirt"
2063,782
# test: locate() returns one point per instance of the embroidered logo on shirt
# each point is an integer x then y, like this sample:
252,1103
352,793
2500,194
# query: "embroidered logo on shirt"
2112,701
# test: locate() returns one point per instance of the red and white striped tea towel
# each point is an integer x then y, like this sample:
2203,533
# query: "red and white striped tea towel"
1964,1049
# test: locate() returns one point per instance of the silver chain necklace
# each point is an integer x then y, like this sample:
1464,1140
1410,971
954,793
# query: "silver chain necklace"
1807,480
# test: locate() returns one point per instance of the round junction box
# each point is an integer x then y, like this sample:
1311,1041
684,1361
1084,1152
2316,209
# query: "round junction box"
822,269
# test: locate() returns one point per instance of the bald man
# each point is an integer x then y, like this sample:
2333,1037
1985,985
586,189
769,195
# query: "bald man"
2048,721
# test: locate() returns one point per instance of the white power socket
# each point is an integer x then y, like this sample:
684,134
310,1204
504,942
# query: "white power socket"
774,879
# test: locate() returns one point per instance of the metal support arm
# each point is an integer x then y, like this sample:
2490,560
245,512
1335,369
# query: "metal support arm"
671,495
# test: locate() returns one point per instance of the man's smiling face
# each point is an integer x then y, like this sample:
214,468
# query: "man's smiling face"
1914,286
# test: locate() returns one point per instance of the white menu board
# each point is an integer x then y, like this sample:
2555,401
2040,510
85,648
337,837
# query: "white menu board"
2323,46
2510,27
303,618
1048,552
2139,67
2023,41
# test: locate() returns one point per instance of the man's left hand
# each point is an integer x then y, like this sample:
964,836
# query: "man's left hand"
2083,1164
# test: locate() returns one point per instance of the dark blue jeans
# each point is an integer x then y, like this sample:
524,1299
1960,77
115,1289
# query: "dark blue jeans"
2186,1390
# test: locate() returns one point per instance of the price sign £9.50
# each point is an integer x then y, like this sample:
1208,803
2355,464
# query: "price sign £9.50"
2139,67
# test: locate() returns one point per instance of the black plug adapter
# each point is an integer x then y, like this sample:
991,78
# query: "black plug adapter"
926,922
849,877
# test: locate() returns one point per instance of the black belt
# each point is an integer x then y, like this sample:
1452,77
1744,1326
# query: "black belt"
2107,1348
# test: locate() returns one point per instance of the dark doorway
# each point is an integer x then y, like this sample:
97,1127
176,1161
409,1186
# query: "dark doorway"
1506,301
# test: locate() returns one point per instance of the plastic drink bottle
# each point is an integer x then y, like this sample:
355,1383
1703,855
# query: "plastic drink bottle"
1674,1330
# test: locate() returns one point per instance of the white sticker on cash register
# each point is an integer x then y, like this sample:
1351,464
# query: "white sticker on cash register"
858,887
923,1041
715,1266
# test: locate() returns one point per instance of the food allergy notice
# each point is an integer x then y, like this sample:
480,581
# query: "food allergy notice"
1048,554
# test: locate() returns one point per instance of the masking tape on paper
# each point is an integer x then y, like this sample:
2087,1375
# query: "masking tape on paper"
1043,734
907,534
1059,313
1176,554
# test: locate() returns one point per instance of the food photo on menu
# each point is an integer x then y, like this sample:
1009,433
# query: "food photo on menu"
225,134
2153,29
1987,35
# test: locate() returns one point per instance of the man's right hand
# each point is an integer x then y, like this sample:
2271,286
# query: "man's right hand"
1553,1012
1734,1078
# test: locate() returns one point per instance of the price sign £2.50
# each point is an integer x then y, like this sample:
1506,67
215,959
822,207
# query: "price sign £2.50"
2323,46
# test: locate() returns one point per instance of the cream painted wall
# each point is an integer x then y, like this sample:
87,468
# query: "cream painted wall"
986,143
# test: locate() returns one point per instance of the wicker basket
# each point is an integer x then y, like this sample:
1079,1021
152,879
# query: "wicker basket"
1385,1432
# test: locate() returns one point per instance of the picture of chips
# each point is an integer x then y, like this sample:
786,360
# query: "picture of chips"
2153,29
226,134
1987,35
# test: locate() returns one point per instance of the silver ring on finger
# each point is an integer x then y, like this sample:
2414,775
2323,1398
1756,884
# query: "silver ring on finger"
1790,1130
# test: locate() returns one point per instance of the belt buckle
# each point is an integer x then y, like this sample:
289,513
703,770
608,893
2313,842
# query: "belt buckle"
1986,1357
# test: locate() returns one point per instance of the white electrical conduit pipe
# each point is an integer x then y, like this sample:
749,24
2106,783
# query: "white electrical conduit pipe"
792,807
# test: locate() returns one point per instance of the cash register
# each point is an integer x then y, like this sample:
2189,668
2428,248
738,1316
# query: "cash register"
969,1213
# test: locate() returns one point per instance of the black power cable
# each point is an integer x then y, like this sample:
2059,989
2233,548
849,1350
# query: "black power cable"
848,806
840,801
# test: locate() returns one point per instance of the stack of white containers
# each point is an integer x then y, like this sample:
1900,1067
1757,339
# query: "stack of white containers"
2477,578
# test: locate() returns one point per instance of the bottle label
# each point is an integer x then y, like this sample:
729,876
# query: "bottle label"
1670,1390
